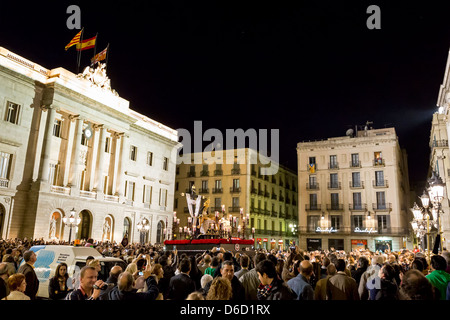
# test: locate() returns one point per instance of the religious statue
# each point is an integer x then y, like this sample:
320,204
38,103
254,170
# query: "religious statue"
52,234
106,229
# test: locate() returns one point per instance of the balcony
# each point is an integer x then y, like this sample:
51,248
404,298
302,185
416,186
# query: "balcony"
356,184
234,209
204,173
355,164
314,186
217,190
380,184
111,198
332,166
218,172
281,198
382,206
254,191
334,185
191,174
439,144
274,214
88,194
335,207
235,189
357,207
378,162
203,190
266,194
313,207
274,196
288,201
260,192
236,171
55,189
213,209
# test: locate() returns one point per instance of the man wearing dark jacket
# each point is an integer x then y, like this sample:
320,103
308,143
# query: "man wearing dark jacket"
227,271
271,287
111,282
124,290
27,269
181,285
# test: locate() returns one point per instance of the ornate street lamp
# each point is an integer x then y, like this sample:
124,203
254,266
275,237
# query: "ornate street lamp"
71,222
436,191
143,227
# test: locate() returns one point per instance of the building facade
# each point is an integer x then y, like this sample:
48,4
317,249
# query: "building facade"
354,192
69,143
270,201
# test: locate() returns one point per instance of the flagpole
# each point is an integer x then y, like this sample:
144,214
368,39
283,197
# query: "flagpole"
107,55
79,51
95,47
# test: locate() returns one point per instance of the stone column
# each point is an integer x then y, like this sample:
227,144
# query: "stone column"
100,160
120,178
74,164
45,168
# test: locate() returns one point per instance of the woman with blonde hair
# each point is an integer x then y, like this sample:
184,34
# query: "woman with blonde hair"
220,289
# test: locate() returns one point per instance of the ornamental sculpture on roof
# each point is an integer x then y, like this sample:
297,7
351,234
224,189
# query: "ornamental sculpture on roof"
97,77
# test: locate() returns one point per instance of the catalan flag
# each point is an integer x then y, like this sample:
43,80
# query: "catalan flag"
75,40
100,56
86,44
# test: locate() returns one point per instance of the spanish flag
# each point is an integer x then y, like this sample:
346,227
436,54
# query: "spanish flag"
86,44
100,56
75,40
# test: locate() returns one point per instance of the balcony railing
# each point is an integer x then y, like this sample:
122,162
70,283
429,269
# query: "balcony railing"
439,143
254,191
380,183
314,186
235,189
217,190
236,171
55,189
203,190
335,207
111,198
218,172
266,194
204,173
357,207
312,207
274,196
378,162
333,165
356,184
88,194
191,174
355,164
234,209
382,206
334,185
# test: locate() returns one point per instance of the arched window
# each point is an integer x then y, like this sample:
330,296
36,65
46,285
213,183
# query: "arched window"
126,228
160,232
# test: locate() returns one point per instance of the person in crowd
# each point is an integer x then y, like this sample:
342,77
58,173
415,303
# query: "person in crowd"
196,295
289,271
300,284
17,285
206,279
417,264
361,267
250,280
27,269
181,285
212,268
227,271
438,277
206,263
388,284
125,291
90,287
111,282
324,267
320,291
244,261
446,255
369,284
195,274
58,284
220,289
341,286
9,260
4,275
415,286
271,287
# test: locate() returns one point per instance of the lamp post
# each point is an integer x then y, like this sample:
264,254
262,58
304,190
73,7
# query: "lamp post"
436,192
71,222
143,227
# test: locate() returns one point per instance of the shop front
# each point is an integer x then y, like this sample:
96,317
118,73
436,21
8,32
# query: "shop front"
359,244
336,244
313,244
382,245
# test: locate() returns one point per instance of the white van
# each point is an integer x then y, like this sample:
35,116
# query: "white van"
48,258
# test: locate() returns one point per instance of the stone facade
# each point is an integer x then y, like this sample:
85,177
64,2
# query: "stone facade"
69,144
354,192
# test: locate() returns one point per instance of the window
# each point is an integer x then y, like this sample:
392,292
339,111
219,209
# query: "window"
129,190
313,223
382,222
204,185
356,179
334,182
355,160
335,201
218,203
163,197
381,200
105,185
149,158
148,194
358,222
166,164
12,113
133,153
357,205
5,163
335,222
57,128
333,162
312,182
311,165
235,184
107,144
378,157
313,201
218,184
379,178
235,202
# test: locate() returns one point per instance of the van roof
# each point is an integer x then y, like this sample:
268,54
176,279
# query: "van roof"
80,253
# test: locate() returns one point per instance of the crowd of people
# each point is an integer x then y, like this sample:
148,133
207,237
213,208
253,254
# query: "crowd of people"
152,273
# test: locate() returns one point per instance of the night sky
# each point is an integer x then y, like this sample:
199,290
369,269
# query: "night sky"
311,69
